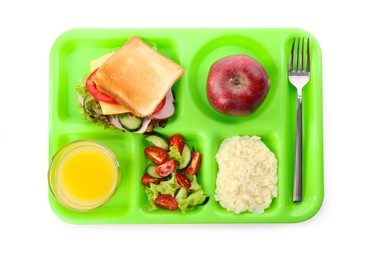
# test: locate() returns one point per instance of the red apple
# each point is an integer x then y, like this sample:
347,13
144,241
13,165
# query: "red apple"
237,85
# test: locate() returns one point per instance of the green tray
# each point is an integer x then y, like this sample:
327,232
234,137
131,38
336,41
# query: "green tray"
203,128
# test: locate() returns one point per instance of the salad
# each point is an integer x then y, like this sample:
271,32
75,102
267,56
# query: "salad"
171,178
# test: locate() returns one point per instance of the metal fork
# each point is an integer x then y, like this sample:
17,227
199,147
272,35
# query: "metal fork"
299,76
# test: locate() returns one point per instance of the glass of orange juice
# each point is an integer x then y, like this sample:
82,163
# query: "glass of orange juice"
83,175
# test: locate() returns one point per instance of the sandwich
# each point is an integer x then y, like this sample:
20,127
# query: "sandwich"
130,89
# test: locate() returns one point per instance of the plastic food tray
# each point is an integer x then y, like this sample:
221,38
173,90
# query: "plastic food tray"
202,127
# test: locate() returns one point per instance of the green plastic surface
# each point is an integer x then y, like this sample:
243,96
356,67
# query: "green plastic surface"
195,49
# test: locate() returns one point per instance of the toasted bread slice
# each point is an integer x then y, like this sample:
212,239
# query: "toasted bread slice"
138,77
107,109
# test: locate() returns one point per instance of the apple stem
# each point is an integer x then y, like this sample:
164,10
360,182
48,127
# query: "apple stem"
235,81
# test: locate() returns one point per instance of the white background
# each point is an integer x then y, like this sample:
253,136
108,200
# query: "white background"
346,227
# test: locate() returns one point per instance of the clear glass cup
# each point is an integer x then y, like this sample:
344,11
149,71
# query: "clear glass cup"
83,175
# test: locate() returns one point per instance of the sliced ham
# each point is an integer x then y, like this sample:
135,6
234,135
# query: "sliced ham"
80,100
167,111
115,122
145,124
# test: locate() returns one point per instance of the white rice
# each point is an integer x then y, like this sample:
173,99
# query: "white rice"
247,177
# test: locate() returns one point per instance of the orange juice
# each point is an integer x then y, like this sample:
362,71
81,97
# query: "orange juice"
83,175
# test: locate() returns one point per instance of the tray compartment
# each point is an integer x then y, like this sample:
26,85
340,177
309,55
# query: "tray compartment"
72,54
312,140
122,201
193,139
271,140
216,49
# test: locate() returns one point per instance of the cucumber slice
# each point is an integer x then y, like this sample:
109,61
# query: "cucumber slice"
186,155
182,193
146,134
205,200
156,139
130,122
151,171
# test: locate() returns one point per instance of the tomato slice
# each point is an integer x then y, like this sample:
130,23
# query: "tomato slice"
95,92
166,168
146,180
156,154
166,201
177,141
160,106
195,163
183,181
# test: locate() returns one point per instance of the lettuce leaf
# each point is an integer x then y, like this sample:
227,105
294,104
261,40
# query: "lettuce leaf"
80,88
194,184
196,197
93,111
174,154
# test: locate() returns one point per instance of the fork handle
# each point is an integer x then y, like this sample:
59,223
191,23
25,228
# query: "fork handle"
297,185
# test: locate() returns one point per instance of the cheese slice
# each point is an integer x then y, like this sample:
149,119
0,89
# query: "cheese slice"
112,109
107,109
99,61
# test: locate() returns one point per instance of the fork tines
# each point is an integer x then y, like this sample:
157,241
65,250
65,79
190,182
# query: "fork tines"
298,57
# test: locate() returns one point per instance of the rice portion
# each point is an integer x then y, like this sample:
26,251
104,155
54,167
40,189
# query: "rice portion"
247,177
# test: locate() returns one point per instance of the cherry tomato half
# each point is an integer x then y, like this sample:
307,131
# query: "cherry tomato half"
156,154
146,180
166,201
177,141
166,168
183,181
95,92
195,163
